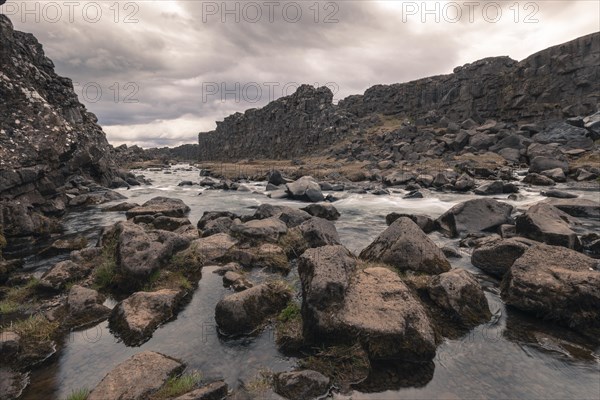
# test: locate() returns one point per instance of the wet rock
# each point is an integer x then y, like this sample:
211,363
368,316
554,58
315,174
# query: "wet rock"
213,215
495,187
246,311
425,180
213,391
541,163
236,281
381,312
584,175
305,189
137,378
458,293
323,210
166,206
98,197
405,246
497,256
556,174
85,305
325,275
423,221
558,194
301,385
61,274
415,194
275,178
185,183
474,216
290,216
120,207
581,208
557,284
538,180
170,223
260,229
232,266
64,246
10,343
207,250
137,317
319,232
545,223
217,225
451,252
464,183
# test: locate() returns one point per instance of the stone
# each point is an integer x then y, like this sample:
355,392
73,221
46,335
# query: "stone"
85,305
464,183
495,187
319,232
423,221
64,246
218,225
406,247
166,206
474,216
558,194
10,343
556,174
170,223
260,229
236,281
565,134
121,207
495,257
244,312
305,189
57,278
137,378
415,194
538,180
557,284
322,210
135,319
290,216
301,385
213,391
275,178
545,223
12,383
451,252
540,164
208,250
458,293
581,208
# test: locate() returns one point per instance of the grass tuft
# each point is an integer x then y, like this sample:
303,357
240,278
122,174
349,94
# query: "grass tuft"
105,273
36,328
23,293
260,384
290,313
178,386
79,394
7,307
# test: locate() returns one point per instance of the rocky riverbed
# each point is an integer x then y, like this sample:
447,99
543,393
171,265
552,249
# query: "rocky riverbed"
451,295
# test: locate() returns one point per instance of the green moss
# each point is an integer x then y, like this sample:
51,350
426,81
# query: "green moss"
291,312
7,307
79,394
165,279
289,329
190,260
178,386
105,274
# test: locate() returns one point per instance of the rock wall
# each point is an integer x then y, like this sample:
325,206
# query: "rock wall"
46,135
559,82
291,126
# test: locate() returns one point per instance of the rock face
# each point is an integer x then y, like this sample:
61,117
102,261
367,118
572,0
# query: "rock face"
405,246
555,283
288,127
545,223
474,216
244,312
47,137
135,318
458,292
301,385
137,378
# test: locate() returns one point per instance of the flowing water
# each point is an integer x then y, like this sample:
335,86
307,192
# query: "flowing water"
511,357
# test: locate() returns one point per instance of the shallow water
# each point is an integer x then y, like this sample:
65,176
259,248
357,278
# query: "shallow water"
512,356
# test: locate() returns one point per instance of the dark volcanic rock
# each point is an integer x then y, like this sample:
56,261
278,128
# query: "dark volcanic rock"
424,221
301,385
497,256
545,223
474,216
160,205
323,210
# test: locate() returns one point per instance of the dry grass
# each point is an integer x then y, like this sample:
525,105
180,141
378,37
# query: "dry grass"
343,364
36,328
258,387
178,385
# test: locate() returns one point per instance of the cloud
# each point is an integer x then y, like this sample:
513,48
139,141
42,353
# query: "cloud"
156,63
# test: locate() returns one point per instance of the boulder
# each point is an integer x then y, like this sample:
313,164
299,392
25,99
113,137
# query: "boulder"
556,174
246,311
137,378
260,229
208,250
381,312
565,134
85,306
64,246
474,216
322,210
555,283
305,189
301,385
581,208
170,223
160,205
459,294
405,246
558,194
236,281
495,187
135,318
319,232
10,343
545,223
121,207
538,180
275,178
217,225
495,256
541,163
464,183
423,221
290,216
61,274
213,391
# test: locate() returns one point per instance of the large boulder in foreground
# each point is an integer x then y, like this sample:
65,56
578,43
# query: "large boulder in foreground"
137,378
244,312
305,189
166,206
405,246
555,283
135,318
301,385
545,223
497,256
382,313
474,216
458,293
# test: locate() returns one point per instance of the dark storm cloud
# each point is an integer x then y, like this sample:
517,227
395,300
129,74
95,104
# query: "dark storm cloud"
145,70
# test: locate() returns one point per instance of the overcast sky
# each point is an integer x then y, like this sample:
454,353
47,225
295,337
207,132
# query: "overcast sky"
169,69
